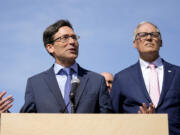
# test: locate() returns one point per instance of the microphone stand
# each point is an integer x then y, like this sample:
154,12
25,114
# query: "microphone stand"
72,101
72,108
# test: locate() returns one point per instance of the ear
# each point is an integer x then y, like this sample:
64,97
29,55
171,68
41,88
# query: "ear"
50,48
135,44
160,43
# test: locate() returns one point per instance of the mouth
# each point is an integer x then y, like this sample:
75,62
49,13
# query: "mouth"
72,50
149,44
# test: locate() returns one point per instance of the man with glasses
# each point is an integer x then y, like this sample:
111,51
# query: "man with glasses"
49,91
151,85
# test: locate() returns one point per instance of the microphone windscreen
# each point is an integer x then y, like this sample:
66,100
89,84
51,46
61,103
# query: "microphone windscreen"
75,80
75,83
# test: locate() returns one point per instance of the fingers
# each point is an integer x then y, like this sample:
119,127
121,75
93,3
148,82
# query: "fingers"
144,107
141,109
139,112
144,110
5,107
4,100
151,108
5,103
2,94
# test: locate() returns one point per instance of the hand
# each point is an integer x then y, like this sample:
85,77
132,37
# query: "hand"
5,103
144,110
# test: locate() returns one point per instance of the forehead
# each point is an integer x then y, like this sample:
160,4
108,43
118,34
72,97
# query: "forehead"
147,27
65,30
108,76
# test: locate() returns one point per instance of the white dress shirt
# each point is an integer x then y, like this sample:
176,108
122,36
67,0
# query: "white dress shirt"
145,71
61,78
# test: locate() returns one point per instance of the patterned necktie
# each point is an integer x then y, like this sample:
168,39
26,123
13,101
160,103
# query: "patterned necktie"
154,90
67,89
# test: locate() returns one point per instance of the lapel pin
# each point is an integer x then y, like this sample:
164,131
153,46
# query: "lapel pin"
169,71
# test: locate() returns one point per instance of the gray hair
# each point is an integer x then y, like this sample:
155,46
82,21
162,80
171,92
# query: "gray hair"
141,23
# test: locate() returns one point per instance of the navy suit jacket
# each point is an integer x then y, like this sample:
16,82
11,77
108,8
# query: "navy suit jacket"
129,92
43,94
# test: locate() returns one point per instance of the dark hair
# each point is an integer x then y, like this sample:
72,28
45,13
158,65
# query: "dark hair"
52,29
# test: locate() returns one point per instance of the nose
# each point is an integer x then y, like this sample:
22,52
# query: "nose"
71,40
149,37
107,84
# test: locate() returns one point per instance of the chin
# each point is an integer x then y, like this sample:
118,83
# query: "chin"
73,57
151,50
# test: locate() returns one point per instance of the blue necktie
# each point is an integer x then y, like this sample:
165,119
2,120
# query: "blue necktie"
67,89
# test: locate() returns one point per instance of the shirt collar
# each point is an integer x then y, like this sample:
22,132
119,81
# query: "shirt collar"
157,62
58,67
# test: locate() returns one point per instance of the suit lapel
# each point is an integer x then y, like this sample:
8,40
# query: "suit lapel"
54,88
82,76
169,73
138,77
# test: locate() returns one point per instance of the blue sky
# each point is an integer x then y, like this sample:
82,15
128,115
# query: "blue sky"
105,26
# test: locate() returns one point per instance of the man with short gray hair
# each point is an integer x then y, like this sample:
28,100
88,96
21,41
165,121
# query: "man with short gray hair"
152,85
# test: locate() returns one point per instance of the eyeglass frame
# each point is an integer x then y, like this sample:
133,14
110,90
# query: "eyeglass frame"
75,37
146,34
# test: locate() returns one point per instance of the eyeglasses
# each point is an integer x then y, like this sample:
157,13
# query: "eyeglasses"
65,38
143,35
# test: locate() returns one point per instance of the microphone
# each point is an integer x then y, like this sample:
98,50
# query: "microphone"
74,85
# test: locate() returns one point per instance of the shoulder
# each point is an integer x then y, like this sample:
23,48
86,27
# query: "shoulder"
169,65
42,74
127,70
88,73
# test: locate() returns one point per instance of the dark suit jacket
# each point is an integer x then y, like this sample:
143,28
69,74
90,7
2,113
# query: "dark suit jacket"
129,92
43,94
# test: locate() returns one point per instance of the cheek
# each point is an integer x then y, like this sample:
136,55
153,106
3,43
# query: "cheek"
140,47
77,45
158,45
58,49
135,44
